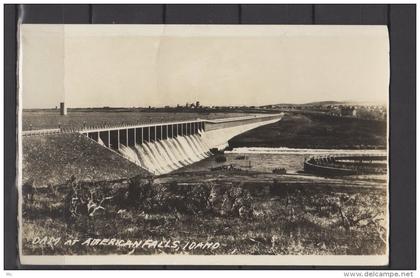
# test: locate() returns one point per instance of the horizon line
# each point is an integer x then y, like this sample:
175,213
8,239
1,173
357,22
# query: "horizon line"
350,102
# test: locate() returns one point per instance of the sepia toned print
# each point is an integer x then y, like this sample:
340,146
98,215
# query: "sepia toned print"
199,144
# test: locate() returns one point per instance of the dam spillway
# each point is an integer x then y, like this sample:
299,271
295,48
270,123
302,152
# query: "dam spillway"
164,147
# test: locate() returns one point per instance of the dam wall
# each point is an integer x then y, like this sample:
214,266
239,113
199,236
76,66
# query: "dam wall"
219,132
164,147
116,137
245,120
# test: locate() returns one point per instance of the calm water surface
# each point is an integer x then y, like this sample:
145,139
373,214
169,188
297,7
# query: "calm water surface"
267,159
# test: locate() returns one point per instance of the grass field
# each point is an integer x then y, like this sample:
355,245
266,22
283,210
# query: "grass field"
316,131
244,212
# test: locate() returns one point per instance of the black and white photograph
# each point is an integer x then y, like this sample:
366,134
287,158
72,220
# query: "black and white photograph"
203,144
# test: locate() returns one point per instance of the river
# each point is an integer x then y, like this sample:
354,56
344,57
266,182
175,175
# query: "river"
267,159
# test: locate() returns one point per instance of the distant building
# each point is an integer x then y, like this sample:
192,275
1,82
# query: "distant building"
347,111
63,109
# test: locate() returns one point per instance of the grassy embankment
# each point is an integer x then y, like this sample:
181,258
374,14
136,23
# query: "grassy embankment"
316,131
53,159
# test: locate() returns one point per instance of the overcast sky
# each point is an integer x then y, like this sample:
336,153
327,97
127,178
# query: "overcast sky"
142,65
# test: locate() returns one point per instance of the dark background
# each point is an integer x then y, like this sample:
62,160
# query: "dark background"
401,22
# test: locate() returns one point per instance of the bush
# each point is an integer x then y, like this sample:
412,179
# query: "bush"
190,199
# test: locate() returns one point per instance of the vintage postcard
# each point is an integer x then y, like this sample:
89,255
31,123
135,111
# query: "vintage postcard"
203,144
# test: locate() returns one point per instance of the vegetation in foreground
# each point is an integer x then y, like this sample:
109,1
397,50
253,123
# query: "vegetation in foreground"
275,217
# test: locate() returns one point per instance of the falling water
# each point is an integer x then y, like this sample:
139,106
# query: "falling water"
100,141
164,156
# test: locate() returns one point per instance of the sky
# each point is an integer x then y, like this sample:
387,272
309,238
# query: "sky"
158,65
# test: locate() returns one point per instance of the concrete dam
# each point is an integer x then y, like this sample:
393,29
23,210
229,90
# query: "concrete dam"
164,147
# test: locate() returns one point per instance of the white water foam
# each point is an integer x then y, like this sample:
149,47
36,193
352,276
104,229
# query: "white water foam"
100,141
164,156
284,150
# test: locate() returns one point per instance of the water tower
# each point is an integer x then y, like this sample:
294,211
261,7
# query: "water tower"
63,109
